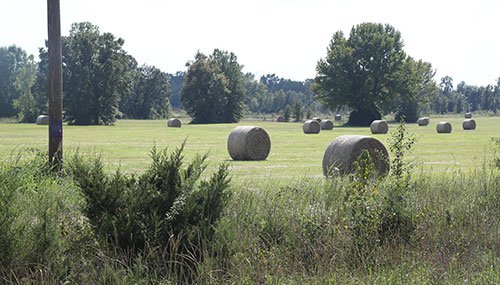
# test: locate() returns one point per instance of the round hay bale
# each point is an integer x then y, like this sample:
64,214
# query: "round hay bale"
344,150
280,119
468,115
338,117
248,143
311,127
443,127
379,127
42,120
317,119
469,124
174,123
326,125
423,121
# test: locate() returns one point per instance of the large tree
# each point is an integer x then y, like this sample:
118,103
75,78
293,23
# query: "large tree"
362,71
97,73
213,89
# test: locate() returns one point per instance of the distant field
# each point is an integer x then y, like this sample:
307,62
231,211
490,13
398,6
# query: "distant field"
294,155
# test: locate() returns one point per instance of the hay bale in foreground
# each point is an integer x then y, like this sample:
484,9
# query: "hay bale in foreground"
338,118
423,121
468,115
344,150
311,127
174,123
443,127
469,124
317,119
248,143
326,125
379,127
42,120
280,119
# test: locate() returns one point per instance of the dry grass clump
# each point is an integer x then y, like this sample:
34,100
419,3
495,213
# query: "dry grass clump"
311,127
248,143
344,150
326,125
423,121
443,127
174,123
379,127
42,120
469,124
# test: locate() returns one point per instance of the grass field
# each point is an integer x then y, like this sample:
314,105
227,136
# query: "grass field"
293,153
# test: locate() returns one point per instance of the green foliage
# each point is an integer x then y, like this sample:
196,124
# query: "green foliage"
213,89
298,113
287,112
26,105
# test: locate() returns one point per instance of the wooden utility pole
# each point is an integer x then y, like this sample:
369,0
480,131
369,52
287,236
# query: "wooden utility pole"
55,84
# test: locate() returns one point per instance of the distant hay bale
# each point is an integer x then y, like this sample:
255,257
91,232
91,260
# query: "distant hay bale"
174,123
248,143
423,121
42,120
468,115
443,127
317,119
326,125
338,118
311,127
280,119
469,124
379,127
344,150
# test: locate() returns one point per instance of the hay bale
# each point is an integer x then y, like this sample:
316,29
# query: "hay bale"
311,127
423,121
42,120
443,127
344,150
174,123
248,143
469,124
317,119
280,119
468,115
379,127
338,118
326,125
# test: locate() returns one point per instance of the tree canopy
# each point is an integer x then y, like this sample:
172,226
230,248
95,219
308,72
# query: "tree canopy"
367,72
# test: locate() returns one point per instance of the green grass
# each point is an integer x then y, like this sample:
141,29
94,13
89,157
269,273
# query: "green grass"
293,154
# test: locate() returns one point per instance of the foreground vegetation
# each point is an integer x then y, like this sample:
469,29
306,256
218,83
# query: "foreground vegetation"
171,224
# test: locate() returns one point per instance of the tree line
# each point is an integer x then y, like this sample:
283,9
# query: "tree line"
366,73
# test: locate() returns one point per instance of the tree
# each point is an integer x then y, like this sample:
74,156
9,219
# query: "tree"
298,113
214,88
12,62
26,104
287,112
98,72
149,97
362,71
176,81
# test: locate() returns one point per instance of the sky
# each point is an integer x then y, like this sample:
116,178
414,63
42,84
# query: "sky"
459,38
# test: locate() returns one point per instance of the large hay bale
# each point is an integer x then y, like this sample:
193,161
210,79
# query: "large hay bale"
379,127
423,121
42,120
338,118
326,125
468,115
469,124
280,119
443,127
344,150
174,123
311,127
317,119
248,143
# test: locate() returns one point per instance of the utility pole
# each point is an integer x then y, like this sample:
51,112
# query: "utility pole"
55,84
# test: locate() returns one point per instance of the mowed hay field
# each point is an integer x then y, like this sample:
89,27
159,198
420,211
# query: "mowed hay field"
294,155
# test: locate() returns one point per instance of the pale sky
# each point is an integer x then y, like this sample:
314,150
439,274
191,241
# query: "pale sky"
460,38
